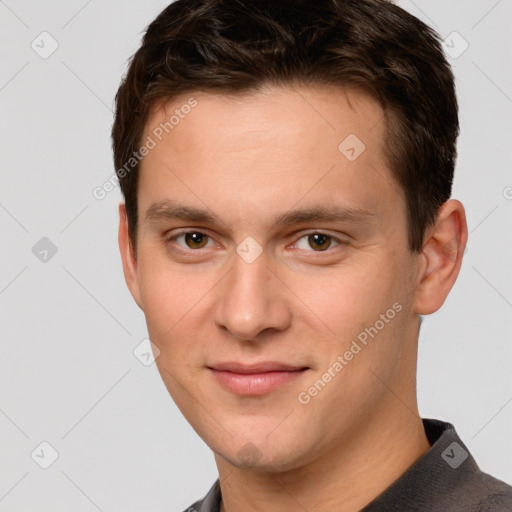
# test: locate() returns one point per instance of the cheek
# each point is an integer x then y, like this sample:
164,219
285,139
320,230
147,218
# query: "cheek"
167,293
175,304
350,297
356,313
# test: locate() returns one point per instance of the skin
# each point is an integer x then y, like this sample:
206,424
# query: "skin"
247,159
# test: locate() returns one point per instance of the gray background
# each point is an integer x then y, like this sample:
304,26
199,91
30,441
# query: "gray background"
69,326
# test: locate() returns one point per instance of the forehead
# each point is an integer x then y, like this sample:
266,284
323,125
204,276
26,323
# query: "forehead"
308,112
273,146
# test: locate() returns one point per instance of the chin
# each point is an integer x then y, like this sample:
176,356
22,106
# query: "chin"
267,456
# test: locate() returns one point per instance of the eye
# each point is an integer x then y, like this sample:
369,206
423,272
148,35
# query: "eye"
318,241
195,240
191,239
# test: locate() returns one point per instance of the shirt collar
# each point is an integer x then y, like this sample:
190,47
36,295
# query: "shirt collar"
435,475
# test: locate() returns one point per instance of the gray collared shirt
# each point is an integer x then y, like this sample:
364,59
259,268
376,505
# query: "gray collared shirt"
445,479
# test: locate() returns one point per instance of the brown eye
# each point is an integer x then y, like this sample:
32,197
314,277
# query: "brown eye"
195,240
319,241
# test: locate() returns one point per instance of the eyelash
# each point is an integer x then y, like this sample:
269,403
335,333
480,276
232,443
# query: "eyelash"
329,250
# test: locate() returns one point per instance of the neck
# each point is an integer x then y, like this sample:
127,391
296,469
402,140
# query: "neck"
346,478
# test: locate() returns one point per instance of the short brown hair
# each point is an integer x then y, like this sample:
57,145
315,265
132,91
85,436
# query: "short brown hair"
232,46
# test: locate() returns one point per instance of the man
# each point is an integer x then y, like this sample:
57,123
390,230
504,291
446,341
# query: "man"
287,171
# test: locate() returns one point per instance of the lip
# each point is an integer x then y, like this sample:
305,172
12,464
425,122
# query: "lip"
255,379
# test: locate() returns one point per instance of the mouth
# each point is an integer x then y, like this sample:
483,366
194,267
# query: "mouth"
256,379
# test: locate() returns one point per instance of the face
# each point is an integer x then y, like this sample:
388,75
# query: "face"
272,236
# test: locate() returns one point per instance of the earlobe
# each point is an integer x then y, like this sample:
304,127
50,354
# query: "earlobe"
442,257
127,256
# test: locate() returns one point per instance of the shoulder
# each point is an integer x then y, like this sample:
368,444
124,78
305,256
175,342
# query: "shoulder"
488,494
446,478
458,480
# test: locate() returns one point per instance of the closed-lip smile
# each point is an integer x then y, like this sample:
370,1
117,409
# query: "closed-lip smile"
256,378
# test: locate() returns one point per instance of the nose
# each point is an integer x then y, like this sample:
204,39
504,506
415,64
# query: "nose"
251,300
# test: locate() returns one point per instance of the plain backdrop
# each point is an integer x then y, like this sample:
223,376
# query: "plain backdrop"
68,373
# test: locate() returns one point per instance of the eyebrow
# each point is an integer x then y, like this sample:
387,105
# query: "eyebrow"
171,210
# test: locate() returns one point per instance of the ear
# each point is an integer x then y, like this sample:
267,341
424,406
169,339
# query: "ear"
128,256
442,254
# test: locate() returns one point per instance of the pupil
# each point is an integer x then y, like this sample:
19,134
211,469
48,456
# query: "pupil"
321,241
195,239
